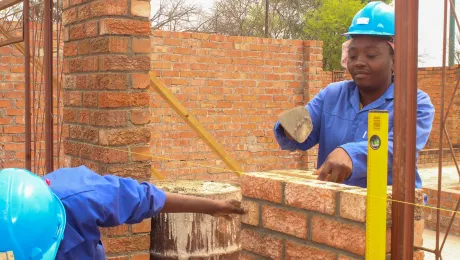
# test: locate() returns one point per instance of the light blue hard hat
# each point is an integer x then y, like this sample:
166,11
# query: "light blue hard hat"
376,18
32,218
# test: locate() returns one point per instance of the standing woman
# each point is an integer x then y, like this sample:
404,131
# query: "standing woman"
339,112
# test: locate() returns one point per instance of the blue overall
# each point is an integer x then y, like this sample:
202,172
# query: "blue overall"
93,201
339,122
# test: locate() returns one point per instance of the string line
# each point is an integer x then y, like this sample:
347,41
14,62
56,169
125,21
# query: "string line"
299,177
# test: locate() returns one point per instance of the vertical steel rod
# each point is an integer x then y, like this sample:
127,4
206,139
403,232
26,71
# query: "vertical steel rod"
406,51
452,35
27,113
267,7
442,124
48,67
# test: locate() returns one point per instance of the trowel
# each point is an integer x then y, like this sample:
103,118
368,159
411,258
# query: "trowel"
296,123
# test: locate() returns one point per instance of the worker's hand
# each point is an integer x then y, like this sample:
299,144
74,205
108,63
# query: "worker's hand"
227,207
336,168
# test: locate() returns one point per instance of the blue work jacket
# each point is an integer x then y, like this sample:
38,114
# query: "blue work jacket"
92,201
339,122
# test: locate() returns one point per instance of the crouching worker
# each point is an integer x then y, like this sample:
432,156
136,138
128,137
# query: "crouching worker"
58,216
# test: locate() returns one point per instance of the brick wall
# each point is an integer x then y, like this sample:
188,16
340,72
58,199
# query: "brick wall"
292,216
449,199
235,86
12,106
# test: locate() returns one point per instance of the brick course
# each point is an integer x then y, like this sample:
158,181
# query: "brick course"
279,230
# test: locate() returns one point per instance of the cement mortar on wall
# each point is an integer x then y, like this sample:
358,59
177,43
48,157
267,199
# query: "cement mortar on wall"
197,236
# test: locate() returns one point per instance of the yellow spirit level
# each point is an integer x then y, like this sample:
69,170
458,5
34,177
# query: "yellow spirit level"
377,174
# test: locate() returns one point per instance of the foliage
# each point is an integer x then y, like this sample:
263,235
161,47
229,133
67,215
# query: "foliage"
247,18
328,23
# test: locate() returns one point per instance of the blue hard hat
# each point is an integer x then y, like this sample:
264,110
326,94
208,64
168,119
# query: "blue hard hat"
376,18
32,218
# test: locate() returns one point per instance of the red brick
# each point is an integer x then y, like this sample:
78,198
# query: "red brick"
81,64
73,98
96,153
84,12
5,68
143,227
69,16
140,8
89,100
115,245
124,27
85,30
262,244
140,81
145,256
83,47
13,147
115,231
285,221
5,50
108,118
299,251
109,45
69,116
340,235
14,129
70,49
120,99
140,117
258,186
83,133
5,103
109,7
5,121
141,45
138,171
108,81
313,195
253,215
123,63
124,136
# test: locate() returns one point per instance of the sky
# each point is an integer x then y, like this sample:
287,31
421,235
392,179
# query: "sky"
430,29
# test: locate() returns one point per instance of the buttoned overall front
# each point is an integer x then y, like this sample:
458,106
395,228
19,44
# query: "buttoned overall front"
338,121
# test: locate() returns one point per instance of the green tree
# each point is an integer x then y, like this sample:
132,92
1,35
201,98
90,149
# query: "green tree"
328,22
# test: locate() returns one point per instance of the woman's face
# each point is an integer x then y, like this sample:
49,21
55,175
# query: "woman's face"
370,62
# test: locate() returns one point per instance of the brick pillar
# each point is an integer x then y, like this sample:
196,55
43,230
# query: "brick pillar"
106,106
106,64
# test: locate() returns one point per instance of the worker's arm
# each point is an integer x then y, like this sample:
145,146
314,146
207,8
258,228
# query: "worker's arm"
127,201
183,203
314,107
358,150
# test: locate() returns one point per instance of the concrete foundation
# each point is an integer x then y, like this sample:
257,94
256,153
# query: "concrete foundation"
196,236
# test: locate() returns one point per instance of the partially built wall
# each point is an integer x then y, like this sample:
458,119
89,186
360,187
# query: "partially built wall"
235,86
